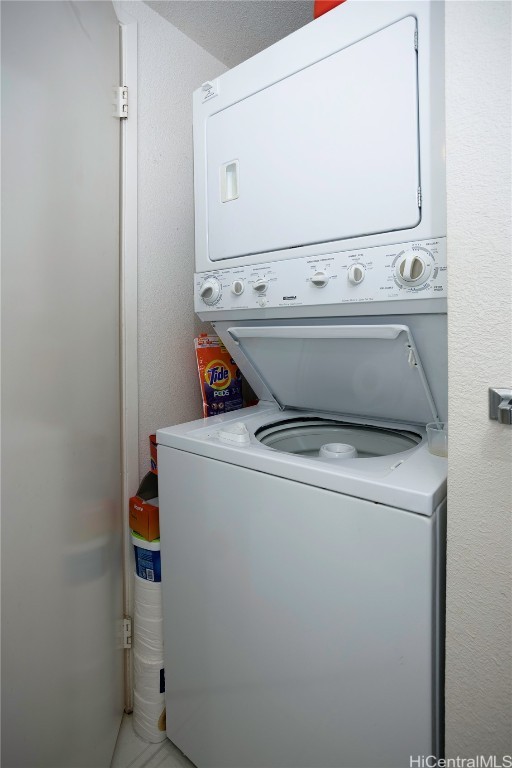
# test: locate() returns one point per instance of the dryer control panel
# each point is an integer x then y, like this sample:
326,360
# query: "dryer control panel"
415,270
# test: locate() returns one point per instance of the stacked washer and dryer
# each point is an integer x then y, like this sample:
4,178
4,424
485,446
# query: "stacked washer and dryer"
303,538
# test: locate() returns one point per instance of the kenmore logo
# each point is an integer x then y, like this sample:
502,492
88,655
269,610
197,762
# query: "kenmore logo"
289,298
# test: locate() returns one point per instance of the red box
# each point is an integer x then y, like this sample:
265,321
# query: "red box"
144,512
322,6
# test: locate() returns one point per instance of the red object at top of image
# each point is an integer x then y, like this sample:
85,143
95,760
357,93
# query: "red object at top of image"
322,6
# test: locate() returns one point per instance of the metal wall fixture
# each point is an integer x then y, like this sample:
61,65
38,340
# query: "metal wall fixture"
500,405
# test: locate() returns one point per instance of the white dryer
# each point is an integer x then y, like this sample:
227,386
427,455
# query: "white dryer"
303,539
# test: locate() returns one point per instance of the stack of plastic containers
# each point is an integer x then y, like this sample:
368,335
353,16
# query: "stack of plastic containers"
149,700
149,677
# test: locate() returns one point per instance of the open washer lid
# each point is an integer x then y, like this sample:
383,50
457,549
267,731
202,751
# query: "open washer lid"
371,371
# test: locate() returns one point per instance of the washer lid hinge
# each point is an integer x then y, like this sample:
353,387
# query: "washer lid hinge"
413,363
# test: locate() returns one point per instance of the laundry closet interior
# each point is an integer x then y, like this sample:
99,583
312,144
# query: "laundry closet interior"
300,189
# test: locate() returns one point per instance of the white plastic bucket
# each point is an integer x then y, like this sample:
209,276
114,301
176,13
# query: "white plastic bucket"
148,637
149,678
147,611
149,719
148,592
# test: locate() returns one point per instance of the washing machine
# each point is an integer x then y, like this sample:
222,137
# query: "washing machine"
302,539
303,558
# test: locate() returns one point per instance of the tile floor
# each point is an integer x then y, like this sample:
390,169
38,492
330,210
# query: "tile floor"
132,752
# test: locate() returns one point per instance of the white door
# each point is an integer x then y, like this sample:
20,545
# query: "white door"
61,517
329,153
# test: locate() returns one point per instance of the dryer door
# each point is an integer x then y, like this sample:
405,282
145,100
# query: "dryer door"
371,371
330,152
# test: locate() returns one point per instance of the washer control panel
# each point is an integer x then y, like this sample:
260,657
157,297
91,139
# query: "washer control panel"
385,273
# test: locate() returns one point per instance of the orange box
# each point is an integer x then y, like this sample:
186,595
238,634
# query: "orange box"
152,451
144,512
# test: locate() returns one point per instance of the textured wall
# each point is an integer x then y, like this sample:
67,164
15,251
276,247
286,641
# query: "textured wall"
234,30
170,68
479,589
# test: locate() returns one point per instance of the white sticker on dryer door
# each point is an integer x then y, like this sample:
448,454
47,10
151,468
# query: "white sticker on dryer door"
209,89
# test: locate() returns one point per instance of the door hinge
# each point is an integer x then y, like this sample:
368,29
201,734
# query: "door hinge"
127,632
419,197
120,103
416,39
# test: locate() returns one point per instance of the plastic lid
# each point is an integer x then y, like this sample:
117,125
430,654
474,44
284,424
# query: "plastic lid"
359,370
140,541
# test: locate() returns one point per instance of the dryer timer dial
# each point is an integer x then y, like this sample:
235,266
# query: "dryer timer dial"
412,268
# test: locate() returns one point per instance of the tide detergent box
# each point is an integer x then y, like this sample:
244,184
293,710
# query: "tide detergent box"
219,376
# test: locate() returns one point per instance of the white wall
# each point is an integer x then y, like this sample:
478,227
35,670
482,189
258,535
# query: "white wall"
170,67
479,589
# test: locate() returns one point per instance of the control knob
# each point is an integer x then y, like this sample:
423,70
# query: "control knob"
237,287
320,279
210,291
260,286
356,274
411,269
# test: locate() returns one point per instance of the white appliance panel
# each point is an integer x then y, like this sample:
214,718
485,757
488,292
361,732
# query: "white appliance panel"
427,330
330,152
335,283
371,371
300,623
252,157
